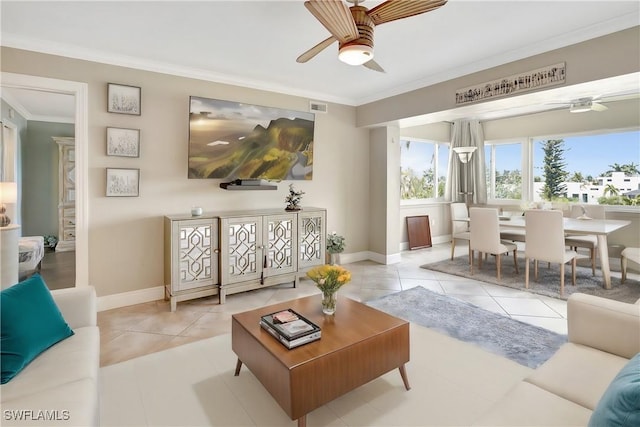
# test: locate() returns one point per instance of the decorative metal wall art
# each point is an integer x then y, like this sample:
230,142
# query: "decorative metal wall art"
542,77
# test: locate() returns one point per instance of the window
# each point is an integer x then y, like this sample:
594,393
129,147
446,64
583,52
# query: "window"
423,169
504,170
598,169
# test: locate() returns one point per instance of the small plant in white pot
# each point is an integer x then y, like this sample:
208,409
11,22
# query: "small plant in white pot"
335,246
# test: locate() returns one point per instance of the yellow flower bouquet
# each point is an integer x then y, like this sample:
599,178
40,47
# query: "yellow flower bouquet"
329,278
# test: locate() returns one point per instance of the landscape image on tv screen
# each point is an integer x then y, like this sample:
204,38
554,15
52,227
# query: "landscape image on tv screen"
231,140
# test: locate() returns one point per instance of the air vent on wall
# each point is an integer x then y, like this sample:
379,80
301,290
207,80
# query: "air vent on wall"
317,107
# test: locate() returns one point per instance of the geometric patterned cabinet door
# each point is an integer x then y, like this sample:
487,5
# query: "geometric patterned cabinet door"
312,232
195,241
191,259
257,251
280,233
241,249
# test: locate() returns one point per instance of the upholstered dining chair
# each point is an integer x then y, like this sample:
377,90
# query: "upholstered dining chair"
589,241
632,254
485,238
459,225
544,241
512,235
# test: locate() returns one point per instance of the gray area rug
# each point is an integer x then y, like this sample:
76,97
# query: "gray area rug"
548,279
521,342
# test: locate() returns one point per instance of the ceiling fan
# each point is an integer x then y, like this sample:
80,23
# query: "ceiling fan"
582,105
352,27
587,103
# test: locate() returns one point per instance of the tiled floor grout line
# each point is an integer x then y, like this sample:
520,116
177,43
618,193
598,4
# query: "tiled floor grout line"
370,281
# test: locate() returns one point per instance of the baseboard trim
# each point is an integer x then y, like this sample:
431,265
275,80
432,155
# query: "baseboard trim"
124,299
385,259
404,246
140,296
354,257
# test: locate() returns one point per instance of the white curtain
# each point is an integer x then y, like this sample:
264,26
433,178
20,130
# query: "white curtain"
466,133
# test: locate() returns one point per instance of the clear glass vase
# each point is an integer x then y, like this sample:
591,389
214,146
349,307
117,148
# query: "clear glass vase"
329,302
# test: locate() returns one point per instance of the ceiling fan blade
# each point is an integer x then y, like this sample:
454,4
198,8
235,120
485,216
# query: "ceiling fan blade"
598,107
336,17
392,10
316,50
373,65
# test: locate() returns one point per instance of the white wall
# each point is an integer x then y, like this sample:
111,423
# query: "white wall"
612,55
126,234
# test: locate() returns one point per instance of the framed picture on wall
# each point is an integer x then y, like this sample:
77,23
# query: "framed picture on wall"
123,99
123,182
123,142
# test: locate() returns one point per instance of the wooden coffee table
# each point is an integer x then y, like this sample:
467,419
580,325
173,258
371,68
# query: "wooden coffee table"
358,344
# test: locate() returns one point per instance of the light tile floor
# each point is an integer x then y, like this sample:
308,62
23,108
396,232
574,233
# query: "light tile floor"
141,329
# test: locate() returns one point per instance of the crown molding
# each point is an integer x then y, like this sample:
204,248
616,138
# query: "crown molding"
570,38
69,51
597,30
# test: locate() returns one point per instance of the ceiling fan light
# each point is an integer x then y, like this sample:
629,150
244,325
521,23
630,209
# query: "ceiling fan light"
356,54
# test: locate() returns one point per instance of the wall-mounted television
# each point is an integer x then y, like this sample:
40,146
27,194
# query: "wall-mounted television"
231,140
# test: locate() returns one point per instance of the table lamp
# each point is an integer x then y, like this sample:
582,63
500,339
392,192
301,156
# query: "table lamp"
8,194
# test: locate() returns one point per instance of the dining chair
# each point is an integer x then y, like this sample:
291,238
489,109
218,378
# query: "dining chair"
590,242
459,225
512,235
632,254
544,241
485,238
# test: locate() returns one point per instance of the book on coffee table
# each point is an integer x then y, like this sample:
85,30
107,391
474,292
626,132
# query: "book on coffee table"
290,328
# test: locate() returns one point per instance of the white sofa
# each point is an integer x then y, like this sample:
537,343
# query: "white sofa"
602,336
60,387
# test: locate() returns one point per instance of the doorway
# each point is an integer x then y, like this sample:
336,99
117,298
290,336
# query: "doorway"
80,92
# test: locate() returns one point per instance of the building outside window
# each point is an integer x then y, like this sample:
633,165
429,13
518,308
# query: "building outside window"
597,169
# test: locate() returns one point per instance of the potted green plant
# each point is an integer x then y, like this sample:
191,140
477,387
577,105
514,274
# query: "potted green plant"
335,246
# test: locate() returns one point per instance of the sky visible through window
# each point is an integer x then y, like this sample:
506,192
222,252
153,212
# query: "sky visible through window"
418,157
589,154
592,154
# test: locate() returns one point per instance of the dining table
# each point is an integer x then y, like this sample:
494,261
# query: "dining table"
601,228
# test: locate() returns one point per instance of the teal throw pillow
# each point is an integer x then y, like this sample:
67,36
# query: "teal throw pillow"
30,322
619,406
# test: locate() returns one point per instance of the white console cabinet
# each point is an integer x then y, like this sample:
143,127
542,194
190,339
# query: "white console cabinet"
257,248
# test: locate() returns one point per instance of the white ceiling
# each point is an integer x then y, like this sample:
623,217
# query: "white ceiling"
256,43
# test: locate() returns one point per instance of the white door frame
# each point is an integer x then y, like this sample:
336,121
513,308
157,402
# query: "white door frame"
80,92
